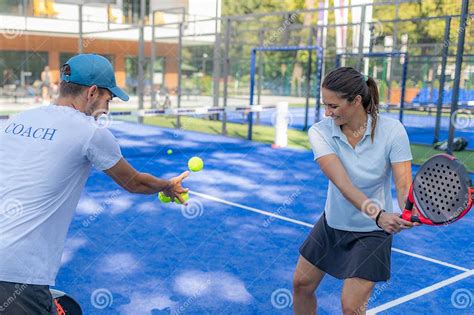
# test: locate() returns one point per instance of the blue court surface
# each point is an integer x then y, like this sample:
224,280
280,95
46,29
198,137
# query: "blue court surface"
234,248
420,128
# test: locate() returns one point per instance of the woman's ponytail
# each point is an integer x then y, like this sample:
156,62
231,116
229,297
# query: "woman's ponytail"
373,105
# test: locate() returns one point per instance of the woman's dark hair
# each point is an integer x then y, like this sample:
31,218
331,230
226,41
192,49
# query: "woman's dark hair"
347,82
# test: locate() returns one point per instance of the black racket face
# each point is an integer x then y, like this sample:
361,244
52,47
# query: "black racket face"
441,189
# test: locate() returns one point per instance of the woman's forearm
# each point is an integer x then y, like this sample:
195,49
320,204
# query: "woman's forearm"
402,178
402,193
361,201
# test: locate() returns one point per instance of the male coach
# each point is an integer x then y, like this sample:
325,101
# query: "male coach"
46,156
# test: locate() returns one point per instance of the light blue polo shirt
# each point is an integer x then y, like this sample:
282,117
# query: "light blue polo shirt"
368,166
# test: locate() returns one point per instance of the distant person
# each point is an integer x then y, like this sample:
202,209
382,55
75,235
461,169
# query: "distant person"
8,77
46,85
8,83
296,79
167,102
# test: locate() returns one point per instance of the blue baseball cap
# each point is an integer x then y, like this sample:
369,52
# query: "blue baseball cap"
92,69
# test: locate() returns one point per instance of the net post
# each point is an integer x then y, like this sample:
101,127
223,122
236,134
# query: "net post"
442,78
319,67
226,73
403,87
252,86
281,125
338,60
180,73
141,59
261,37
457,74
361,38
153,59
308,90
81,32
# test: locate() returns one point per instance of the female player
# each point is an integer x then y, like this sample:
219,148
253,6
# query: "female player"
358,150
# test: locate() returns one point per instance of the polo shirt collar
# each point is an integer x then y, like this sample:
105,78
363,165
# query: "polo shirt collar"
337,132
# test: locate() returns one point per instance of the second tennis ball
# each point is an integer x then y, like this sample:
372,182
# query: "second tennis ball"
195,164
163,198
185,198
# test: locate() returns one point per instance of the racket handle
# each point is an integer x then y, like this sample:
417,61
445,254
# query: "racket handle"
406,215
409,205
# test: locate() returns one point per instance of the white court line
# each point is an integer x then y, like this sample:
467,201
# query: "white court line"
401,251
421,292
270,214
276,216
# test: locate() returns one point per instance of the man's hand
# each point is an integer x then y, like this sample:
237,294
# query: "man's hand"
392,223
175,188
143,183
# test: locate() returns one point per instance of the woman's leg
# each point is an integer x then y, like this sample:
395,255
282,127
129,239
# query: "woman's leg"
355,295
305,282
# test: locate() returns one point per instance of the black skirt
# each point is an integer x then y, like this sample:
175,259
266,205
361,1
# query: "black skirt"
345,254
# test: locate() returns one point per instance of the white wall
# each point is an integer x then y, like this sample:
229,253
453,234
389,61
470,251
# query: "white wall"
95,19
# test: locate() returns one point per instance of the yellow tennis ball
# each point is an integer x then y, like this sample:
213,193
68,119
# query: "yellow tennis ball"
163,198
195,164
169,151
185,197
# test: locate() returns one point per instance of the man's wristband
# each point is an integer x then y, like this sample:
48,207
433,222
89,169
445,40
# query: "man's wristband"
378,217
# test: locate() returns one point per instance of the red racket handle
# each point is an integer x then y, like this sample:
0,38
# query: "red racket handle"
408,217
407,214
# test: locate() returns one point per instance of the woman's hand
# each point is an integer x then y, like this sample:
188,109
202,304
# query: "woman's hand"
392,223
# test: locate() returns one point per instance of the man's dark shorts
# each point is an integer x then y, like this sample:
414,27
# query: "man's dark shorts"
25,299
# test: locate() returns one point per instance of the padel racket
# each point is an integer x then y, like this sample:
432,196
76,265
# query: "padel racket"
65,305
441,191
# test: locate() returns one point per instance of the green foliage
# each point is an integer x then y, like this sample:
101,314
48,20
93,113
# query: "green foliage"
424,37
241,7
419,32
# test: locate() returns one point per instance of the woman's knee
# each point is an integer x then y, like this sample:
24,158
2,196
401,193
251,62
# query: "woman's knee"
301,286
350,307
307,277
304,284
355,294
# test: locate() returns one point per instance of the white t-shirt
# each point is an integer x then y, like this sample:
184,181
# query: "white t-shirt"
46,156
368,165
